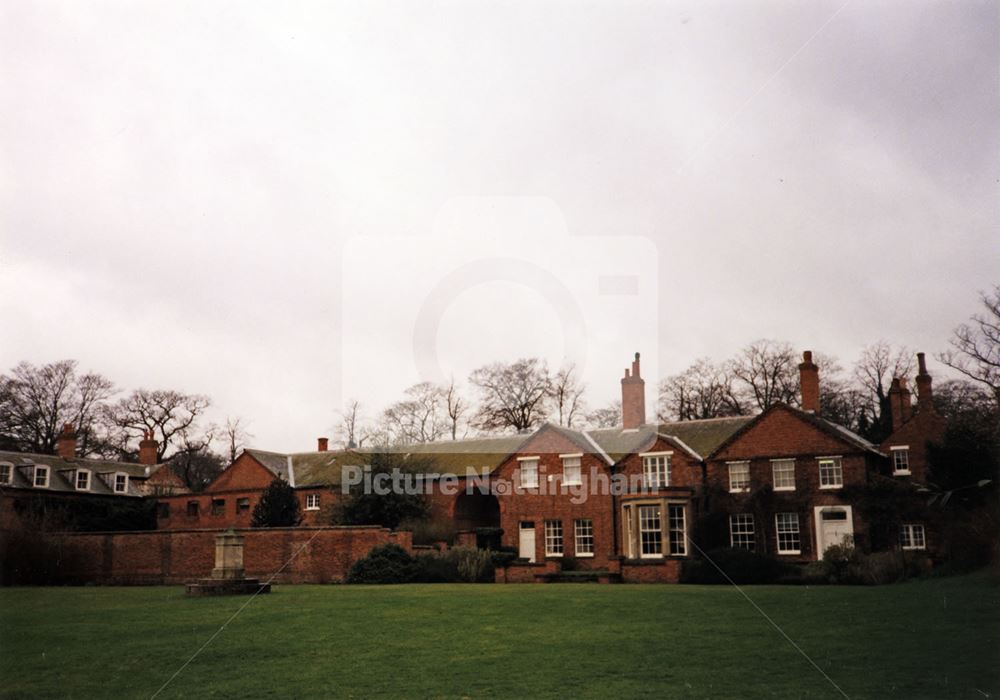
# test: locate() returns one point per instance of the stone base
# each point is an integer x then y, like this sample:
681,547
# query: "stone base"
213,586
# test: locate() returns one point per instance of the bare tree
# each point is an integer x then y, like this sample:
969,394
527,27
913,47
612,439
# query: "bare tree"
455,406
976,344
348,430
703,390
841,399
420,417
171,415
35,403
236,436
512,395
194,460
566,392
609,416
768,373
874,371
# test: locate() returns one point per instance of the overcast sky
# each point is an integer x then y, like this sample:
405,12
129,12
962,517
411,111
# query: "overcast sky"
281,205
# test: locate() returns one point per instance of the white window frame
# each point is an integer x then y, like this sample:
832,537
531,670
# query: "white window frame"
524,462
895,451
656,468
554,544
114,483
839,463
775,463
778,532
741,464
742,527
908,533
311,499
572,469
646,528
680,550
41,468
76,480
583,537
6,472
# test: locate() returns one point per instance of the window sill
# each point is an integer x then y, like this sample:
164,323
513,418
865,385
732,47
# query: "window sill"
308,509
913,549
584,555
902,472
784,488
831,488
743,490
553,556
791,552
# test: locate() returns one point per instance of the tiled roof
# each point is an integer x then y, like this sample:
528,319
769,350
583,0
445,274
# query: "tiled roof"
447,457
62,472
702,436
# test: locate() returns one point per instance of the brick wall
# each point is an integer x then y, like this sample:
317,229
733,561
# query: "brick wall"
173,557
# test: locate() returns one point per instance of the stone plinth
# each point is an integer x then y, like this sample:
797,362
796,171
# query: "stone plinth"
227,576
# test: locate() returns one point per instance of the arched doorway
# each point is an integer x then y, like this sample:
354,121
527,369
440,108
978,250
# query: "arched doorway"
475,510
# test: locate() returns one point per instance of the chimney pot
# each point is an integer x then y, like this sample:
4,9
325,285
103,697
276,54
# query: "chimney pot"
322,444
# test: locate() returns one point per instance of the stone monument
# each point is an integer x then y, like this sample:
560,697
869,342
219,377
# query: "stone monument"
227,576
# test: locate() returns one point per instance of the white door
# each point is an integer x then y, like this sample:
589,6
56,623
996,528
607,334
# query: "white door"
833,523
526,541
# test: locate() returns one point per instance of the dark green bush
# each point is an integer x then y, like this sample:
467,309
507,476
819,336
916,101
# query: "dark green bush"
386,564
741,566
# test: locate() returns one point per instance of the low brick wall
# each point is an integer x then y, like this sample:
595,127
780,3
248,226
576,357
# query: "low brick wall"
666,571
321,555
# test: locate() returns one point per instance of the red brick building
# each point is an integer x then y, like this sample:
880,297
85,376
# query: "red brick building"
627,501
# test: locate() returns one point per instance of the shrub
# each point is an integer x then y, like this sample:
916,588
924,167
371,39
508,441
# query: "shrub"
278,506
389,563
504,556
740,565
430,531
458,565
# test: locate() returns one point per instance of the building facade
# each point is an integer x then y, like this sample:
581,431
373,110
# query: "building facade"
627,500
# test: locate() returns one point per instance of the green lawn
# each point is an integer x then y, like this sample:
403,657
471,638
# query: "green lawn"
933,638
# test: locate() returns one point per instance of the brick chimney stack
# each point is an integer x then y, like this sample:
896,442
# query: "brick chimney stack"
899,402
322,444
66,444
148,448
809,383
633,397
925,395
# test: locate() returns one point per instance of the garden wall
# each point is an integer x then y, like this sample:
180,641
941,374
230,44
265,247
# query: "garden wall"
321,555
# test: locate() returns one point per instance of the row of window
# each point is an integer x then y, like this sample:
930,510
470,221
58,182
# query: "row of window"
583,537
655,468
82,480
742,533
831,474
218,506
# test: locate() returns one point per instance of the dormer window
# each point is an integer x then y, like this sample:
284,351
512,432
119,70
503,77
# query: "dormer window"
41,477
121,482
6,471
82,480
900,459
